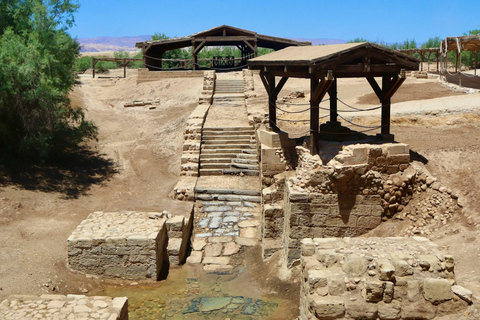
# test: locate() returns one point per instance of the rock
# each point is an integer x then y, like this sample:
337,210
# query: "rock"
373,291
316,279
403,269
198,244
361,310
336,285
387,270
231,248
413,290
389,311
388,292
213,249
328,307
327,257
355,265
437,290
195,257
463,293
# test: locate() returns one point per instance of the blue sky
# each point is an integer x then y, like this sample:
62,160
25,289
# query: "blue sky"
382,20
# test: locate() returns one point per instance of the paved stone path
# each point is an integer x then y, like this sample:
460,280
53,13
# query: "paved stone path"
227,214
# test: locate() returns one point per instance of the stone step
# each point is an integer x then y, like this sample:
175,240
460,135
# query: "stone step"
228,156
229,151
228,137
227,128
227,142
245,192
207,133
215,202
228,146
244,161
245,166
211,172
215,165
246,172
219,172
217,160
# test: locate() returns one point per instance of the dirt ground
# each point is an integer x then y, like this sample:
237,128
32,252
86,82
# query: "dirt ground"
136,163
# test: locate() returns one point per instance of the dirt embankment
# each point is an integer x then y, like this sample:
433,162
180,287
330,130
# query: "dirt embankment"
133,166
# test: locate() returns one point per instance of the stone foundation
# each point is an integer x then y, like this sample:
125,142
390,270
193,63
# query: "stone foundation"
378,278
318,215
59,307
129,245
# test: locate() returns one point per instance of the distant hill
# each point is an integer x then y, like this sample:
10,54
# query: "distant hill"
317,42
128,43
110,43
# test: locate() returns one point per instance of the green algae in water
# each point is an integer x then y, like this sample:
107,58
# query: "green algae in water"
198,296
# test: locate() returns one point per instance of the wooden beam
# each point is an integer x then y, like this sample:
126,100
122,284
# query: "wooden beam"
250,45
375,87
224,39
386,104
320,90
200,46
94,63
279,87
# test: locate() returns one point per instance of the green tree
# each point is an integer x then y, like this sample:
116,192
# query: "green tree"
37,60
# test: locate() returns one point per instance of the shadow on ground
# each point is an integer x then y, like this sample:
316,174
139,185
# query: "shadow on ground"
71,173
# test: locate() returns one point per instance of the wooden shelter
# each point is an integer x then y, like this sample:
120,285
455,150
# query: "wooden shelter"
323,65
247,41
459,44
422,52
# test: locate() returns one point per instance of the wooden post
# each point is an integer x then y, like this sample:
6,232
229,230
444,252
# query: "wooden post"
333,102
194,57
422,54
386,104
476,53
124,68
314,117
456,63
94,63
436,54
273,90
460,73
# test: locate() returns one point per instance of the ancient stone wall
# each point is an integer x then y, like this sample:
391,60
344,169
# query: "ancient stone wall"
144,75
126,245
320,215
193,131
59,307
378,278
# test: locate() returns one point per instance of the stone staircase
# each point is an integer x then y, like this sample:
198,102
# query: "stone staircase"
226,221
229,91
229,151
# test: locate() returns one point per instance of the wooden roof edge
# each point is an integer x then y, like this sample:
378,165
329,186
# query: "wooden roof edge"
164,41
284,40
419,49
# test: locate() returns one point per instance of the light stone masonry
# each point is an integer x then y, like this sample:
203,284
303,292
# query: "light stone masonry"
124,244
60,307
378,278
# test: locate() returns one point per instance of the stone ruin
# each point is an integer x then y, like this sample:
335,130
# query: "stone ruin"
60,307
129,244
378,278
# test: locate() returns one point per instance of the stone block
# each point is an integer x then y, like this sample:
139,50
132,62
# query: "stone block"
327,257
437,290
373,291
396,148
316,279
355,265
195,257
368,222
398,159
463,293
361,310
336,285
327,307
389,311
386,270
419,310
